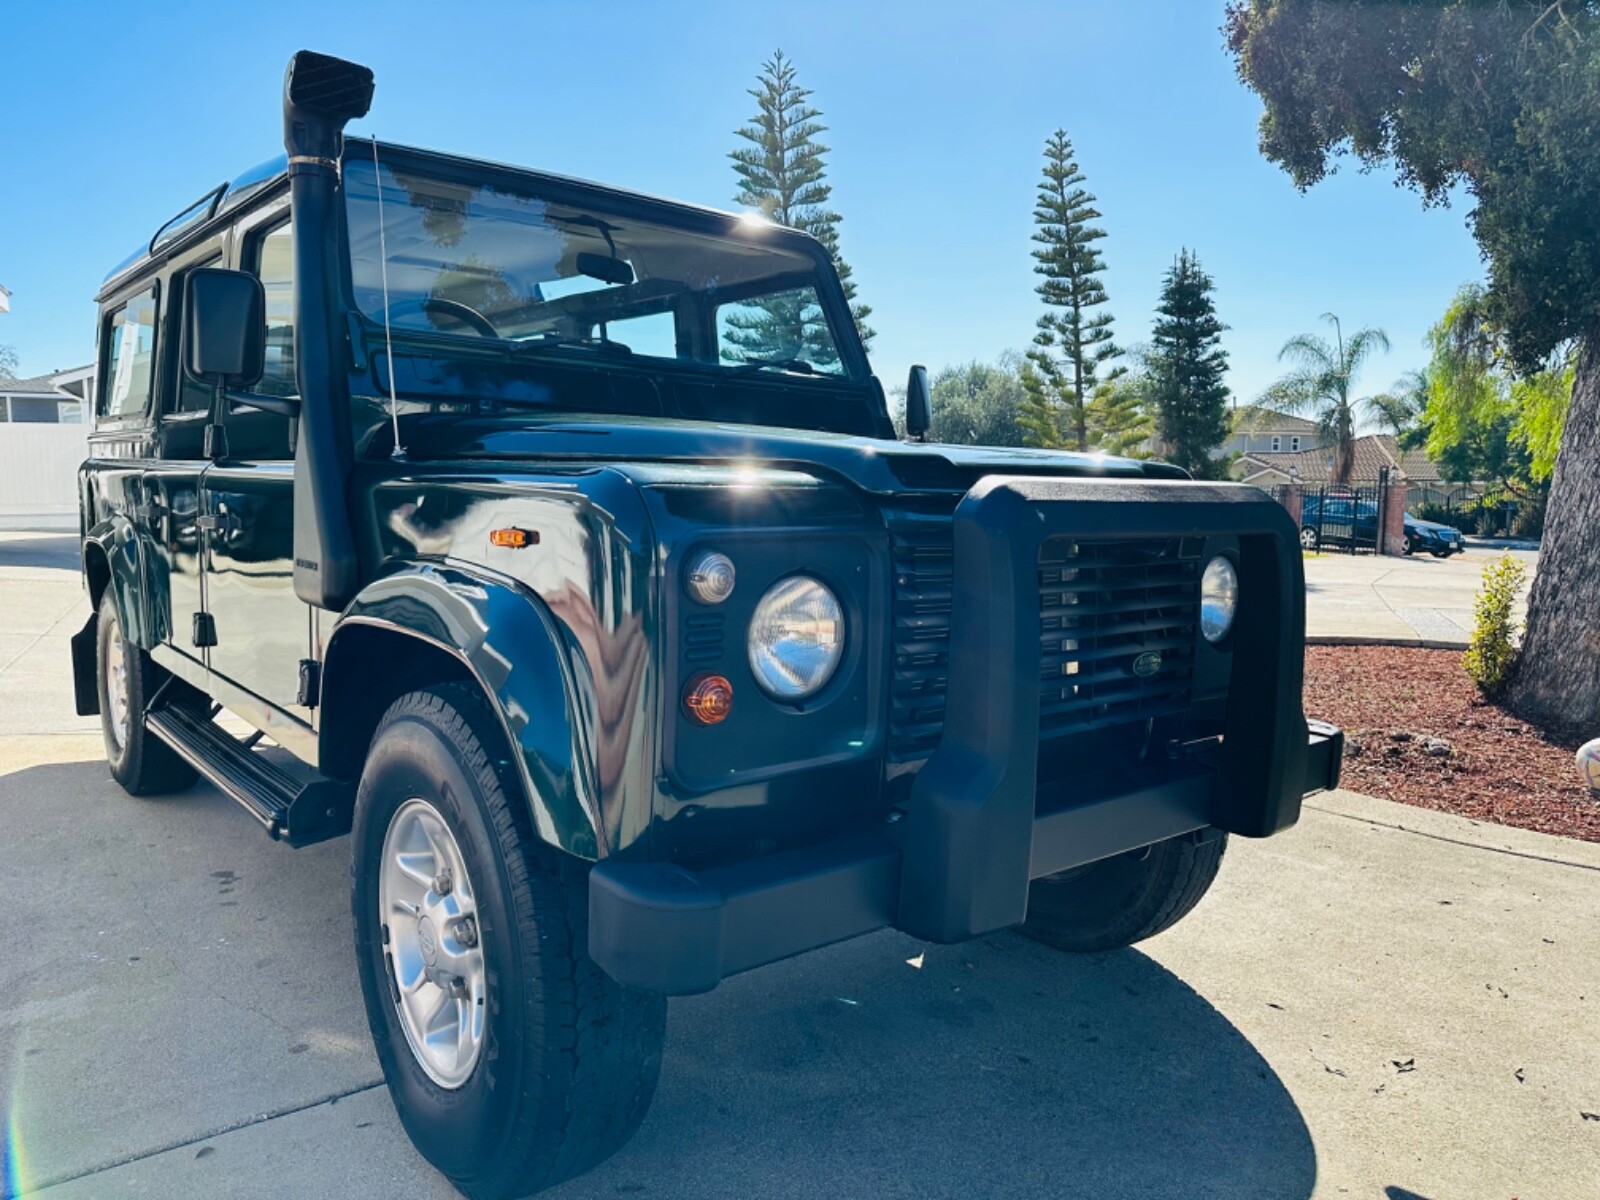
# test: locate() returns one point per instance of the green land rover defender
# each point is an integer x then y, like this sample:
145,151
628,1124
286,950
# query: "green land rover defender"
556,543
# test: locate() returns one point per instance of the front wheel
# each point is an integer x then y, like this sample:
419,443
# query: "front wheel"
1411,546
1125,899
1309,539
141,762
513,1061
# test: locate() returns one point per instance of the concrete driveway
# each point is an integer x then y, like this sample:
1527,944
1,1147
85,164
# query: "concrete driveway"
1421,599
1383,1002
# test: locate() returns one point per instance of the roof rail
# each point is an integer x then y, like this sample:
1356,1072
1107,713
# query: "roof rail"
202,209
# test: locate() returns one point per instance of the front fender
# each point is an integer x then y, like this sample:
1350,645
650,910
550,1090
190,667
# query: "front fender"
507,639
111,559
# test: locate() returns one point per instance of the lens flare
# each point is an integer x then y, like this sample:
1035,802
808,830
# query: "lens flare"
14,1172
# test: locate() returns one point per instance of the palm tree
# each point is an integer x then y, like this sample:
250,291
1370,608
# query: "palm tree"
1321,384
1402,409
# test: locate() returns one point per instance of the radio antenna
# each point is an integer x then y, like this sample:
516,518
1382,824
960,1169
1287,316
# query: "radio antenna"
388,342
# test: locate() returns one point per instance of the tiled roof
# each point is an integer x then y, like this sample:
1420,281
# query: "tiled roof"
1251,419
38,385
1371,453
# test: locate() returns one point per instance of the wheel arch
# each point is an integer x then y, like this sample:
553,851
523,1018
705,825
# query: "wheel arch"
110,555
427,624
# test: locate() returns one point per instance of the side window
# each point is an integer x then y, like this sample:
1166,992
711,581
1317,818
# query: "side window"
130,358
274,263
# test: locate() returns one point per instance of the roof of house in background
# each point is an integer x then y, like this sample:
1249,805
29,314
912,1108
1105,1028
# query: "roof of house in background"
1251,418
37,385
1372,453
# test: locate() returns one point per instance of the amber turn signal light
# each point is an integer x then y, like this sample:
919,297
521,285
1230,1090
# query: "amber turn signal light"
708,699
513,538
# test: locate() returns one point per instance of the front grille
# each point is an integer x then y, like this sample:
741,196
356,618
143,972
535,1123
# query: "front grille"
1117,627
1102,605
923,551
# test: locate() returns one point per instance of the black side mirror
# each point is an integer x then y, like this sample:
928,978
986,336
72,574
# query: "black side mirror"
919,405
225,327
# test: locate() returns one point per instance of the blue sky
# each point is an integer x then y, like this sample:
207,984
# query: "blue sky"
937,112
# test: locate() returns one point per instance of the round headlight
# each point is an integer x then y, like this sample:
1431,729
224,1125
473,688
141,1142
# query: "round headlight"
710,577
1219,596
796,638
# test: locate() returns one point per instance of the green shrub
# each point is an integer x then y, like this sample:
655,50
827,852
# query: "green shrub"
1492,648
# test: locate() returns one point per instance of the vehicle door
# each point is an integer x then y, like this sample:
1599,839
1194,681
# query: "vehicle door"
262,629
171,529
122,444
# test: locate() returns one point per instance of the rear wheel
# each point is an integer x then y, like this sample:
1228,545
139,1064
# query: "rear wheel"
141,762
1124,899
514,1062
1309,539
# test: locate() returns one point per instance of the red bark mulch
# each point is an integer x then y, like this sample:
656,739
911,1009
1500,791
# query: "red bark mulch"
1397,703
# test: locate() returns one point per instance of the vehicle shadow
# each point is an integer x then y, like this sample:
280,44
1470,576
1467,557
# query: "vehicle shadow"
996,1069
53,550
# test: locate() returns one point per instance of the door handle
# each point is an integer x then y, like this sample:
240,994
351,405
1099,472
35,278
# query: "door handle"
219,523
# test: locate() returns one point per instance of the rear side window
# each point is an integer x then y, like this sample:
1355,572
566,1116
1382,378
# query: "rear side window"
130,358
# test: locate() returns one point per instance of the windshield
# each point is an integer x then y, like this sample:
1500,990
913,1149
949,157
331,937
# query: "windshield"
481,260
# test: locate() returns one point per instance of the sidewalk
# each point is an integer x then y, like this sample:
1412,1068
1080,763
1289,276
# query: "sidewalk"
1421,600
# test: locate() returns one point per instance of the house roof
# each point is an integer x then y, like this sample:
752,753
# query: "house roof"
1371,453
1256,420
37,385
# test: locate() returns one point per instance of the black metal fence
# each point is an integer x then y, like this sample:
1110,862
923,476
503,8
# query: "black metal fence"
1341,517
1492,512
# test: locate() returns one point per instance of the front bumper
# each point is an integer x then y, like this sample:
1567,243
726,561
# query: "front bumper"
976,829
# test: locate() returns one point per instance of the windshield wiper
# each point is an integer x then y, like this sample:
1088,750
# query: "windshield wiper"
558,341
798,366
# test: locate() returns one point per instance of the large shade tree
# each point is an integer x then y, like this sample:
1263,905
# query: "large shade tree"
1321,384
1502,100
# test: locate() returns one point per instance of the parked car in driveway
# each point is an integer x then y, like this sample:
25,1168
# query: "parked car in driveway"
1351,522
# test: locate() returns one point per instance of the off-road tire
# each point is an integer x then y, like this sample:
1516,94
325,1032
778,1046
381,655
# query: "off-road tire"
570,1058
142,763
1125,899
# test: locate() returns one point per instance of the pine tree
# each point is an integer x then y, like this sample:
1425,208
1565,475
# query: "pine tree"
1039,414
783,176
1119,422
1187,365
1073,347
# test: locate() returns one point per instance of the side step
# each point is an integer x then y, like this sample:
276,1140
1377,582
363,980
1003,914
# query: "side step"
294,811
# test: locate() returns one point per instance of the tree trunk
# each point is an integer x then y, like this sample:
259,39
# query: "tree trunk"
1556,681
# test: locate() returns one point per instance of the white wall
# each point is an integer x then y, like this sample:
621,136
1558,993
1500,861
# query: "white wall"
39,475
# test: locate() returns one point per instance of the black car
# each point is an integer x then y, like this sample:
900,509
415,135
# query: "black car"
560,540
1351,522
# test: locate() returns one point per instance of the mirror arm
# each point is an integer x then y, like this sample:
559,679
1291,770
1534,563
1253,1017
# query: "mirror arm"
284,406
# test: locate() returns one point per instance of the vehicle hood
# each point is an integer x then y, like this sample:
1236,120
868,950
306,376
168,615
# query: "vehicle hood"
1430,526
872,464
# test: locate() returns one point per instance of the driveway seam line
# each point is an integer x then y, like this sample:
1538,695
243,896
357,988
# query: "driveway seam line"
1439,837
221,1131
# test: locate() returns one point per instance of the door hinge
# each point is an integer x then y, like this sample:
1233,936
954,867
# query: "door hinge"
205,630
310,683
216,442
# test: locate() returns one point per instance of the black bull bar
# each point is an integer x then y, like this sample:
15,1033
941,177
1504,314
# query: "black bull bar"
972,837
